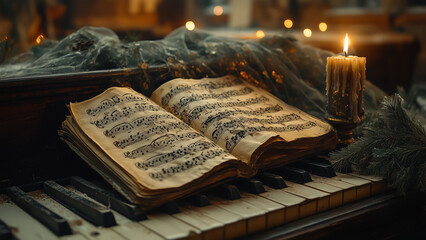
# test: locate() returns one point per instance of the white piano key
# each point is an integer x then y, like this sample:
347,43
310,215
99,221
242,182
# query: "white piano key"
363,189
275,213
291,202
26,227
349,190
378,184
211,229
235,226
169,227
336,194
77,223
254,216
317,200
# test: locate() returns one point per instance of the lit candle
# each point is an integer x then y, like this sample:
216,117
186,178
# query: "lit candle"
344,86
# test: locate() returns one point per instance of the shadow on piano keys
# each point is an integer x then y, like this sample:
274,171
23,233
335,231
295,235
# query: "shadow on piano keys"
288,203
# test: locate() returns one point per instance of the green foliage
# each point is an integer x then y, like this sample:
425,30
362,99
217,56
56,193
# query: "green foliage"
393,146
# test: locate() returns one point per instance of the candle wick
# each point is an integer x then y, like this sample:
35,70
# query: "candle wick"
346,54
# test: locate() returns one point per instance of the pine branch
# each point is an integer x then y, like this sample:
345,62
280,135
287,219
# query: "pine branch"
393,146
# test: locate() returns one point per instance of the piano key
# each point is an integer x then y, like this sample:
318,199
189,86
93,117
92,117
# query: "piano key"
250,185
211,229
296,175
378,185
317,200
317,168
254,216
227,191
199,200
363,189
24,226
349,190
54,222
272,180
170,228
336,194
291,202
78,224
5,232
234,225
275,213
108,198
84,207
170,207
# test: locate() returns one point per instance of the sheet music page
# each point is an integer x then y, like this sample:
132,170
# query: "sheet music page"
155,147
236,115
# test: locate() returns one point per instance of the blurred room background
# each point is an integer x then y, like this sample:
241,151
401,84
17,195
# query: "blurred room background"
390,33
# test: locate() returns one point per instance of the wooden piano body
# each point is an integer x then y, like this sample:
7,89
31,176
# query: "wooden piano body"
310,206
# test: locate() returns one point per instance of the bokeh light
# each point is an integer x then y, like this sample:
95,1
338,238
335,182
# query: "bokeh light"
190,25
260,34
322,27
218,10
288,23
307,32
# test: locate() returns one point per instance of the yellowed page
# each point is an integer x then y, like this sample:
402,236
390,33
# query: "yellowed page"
236,115
153,146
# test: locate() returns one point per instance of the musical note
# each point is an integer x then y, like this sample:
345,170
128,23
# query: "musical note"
171,156
193,162
229,82
156,130
108,103
160,142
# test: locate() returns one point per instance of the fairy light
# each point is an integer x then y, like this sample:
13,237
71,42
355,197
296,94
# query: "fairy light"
288,23
218,10
39,39
190,25
307,32
322,27
260,34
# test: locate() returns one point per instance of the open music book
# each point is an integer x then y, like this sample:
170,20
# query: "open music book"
191,135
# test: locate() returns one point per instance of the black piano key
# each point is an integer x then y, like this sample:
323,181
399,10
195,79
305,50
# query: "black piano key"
250,185
92,211
108,198
5,232
227,191
272,180
321,159
199,200
293,174
51,220
170,208
317,168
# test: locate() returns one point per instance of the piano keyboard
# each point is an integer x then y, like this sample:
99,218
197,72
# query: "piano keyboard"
79,209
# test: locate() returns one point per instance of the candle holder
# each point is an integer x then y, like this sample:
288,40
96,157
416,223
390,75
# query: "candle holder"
344,129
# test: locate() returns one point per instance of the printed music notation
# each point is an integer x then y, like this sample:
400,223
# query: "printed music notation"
150,138
228,110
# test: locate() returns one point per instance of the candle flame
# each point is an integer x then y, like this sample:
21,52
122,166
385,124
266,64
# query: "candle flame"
346,45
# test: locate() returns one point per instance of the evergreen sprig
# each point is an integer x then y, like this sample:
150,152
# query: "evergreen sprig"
393,146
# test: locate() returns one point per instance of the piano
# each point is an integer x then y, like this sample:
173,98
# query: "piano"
47,192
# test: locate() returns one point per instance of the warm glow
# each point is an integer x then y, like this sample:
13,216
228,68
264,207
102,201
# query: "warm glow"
322,27
288,23
307,32
218,10
345,48
3,38
190,25
39,39
260,34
